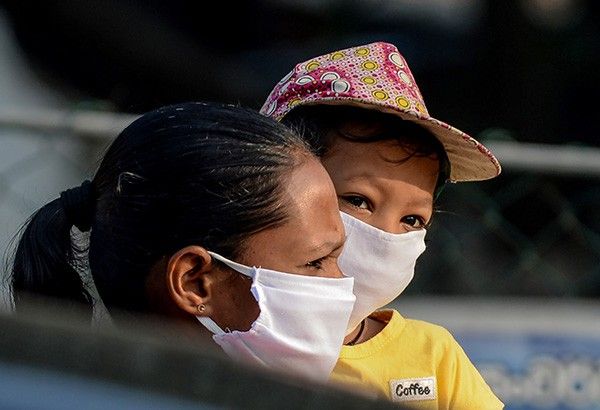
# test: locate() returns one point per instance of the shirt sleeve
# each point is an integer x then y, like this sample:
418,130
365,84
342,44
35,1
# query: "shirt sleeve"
460,385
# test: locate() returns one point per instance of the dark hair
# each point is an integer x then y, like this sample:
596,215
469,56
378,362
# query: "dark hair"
318,122
193,173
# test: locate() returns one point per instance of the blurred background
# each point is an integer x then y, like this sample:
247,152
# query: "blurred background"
513,264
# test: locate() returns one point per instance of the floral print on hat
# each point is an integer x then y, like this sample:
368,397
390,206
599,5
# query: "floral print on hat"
376,76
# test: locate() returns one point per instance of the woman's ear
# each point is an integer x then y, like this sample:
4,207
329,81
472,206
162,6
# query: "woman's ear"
189,280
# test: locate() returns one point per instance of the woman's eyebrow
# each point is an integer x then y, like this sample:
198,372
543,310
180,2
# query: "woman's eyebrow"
329,246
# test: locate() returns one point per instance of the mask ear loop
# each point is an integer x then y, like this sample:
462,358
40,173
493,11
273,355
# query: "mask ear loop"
211,325
238,267
438,191
206,321
443,175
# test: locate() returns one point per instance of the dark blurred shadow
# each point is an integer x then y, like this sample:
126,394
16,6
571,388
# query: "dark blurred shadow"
54,355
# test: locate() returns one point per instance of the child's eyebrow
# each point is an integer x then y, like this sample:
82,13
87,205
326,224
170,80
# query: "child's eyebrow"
422,202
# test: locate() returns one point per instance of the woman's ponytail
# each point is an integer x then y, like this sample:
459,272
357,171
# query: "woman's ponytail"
46,260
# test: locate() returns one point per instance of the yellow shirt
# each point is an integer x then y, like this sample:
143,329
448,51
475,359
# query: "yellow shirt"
417,364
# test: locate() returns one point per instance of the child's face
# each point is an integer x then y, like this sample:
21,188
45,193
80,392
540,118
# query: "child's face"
376,183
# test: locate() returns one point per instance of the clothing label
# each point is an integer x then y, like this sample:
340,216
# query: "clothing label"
413,389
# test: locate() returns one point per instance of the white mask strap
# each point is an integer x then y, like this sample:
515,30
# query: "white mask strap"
207,322
211,325
243,269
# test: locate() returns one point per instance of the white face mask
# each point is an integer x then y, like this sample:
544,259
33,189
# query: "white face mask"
381,263
301,325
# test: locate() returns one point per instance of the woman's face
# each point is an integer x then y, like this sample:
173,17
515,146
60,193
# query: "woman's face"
307,243
310,241
376,183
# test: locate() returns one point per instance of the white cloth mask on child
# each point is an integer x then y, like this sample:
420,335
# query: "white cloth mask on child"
301,325
381,263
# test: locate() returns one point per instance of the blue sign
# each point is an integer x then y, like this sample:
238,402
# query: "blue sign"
537,370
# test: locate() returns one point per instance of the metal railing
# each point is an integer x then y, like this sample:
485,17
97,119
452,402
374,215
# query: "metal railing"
534,230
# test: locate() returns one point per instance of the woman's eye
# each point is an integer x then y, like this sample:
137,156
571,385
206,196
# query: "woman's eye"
356,201
414,221
316,264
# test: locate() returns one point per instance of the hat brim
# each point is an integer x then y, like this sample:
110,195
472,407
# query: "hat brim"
469,159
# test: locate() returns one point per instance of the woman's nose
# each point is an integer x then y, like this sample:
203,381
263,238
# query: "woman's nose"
337,272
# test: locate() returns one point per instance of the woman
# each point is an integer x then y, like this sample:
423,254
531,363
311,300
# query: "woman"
388,160
182,193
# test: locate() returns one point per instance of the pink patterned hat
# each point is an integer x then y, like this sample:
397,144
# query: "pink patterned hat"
376,76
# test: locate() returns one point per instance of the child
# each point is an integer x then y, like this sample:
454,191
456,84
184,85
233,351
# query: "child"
363,112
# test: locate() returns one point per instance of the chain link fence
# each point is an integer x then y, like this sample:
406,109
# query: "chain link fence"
534,230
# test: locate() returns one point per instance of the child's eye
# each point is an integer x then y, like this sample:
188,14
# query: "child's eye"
356,201
414,221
